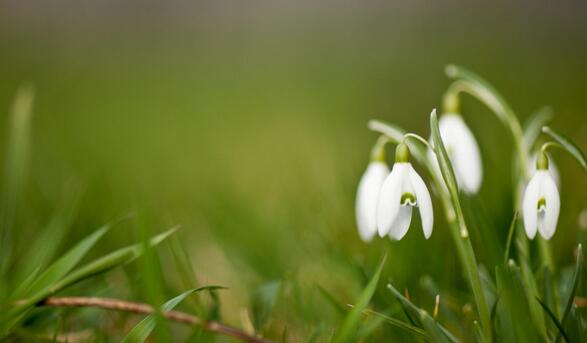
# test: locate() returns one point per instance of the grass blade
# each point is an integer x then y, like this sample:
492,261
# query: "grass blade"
65,263
436,332
398,324
568,145
351,322
506,254
576,280
552,316
143,329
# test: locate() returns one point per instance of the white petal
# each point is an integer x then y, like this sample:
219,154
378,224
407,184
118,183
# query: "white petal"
402,223
550,193
367,195
424,202
463,151
529,206
388,204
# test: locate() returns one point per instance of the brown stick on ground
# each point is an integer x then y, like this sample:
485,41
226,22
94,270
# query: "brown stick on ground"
128,306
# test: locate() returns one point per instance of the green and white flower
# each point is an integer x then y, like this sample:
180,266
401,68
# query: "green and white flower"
541,205
403,190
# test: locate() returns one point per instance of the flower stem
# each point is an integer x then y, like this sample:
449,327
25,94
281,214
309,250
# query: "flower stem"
470,83
458,226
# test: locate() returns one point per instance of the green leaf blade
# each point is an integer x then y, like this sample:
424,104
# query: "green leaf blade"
143,329
352,320
568,146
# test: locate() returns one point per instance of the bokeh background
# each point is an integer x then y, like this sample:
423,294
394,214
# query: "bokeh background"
245,123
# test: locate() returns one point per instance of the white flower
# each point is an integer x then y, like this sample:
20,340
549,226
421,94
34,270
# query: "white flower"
541,203
367,195
463,152
402,190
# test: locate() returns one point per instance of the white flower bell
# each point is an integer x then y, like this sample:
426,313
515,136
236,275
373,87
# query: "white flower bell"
463,152
541,205
367,195
402,190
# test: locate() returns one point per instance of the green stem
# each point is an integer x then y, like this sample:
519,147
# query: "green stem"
472,84
458,226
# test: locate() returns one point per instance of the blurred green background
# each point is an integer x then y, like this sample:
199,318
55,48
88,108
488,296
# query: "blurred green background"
245,122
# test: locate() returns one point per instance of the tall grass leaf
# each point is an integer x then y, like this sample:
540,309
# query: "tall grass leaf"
512,306
67,262
435,330
568,145
571,297
352,320
15,172
552,316
416,331
143,329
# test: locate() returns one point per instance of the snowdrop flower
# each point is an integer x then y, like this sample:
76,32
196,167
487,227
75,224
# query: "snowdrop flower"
368,193
463,152
541,203
402,190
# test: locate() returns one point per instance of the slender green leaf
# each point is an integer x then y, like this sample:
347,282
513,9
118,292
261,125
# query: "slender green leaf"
576,280
435,330
399,324
351,322
65,263
552,316
512,306
143,329
568,145
15,173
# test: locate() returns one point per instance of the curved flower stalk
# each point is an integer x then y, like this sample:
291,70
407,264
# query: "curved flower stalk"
403,190
541,204
463,151
368,191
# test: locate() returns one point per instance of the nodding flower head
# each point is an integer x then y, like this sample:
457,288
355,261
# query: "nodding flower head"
463,152
541,205
402,190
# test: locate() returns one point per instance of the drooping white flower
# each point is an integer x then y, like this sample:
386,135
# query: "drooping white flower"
402,190
367,195
541,205
463,152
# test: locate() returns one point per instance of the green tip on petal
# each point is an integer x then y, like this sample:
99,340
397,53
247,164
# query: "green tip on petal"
402,153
